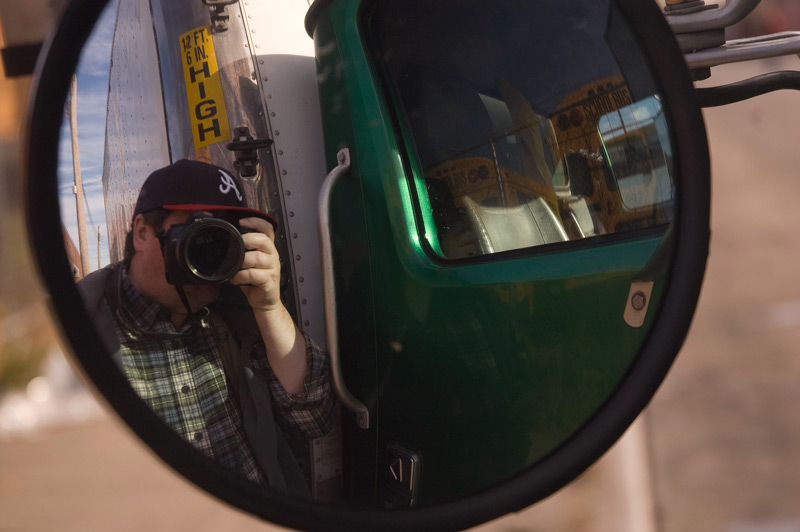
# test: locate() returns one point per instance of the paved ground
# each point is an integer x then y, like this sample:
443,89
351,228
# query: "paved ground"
725,427
723,433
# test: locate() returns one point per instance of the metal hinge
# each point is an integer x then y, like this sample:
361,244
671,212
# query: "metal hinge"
219,18
245,146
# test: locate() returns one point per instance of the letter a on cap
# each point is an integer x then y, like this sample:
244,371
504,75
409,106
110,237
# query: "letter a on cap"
228,184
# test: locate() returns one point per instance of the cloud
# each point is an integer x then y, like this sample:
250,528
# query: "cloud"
97,52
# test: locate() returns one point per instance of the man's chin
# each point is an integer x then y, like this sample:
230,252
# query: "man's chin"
201,295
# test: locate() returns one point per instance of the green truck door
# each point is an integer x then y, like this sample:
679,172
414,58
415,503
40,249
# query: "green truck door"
502,238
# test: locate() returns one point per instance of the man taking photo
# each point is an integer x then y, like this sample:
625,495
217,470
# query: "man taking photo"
206,342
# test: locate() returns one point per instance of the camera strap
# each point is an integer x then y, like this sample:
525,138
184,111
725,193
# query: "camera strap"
185,301
162,239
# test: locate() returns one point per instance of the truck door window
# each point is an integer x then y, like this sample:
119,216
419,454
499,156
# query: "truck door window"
511,147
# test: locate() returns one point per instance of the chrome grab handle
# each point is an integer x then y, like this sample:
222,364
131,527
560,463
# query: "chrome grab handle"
329,290
746,49
712,17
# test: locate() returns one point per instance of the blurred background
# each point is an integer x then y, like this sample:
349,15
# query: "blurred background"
718,449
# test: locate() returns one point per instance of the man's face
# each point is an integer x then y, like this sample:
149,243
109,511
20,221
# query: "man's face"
147,271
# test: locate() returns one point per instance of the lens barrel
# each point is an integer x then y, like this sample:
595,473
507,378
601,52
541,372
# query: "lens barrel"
205,250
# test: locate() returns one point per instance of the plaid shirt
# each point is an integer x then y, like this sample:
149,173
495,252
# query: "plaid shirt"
179,374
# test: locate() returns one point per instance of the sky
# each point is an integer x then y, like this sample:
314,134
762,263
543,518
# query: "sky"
92,95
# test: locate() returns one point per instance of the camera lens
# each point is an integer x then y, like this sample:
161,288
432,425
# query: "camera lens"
213,250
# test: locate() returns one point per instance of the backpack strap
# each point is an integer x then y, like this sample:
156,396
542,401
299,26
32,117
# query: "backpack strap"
270,449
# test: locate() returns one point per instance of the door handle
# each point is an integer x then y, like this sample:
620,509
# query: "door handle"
329,290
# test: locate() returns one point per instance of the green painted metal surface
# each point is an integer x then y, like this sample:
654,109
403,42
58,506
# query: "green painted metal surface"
482,368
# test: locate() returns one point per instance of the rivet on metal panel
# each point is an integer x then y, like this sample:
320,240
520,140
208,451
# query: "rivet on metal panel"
301,279
297,257
291,214
284,172
638,300
294,235
277,132
288,192
304,301
306,323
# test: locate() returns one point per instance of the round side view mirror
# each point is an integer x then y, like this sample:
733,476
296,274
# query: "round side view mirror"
514,229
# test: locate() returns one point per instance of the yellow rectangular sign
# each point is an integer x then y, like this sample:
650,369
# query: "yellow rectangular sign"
203,88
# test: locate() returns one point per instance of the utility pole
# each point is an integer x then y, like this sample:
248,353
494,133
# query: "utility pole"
76,167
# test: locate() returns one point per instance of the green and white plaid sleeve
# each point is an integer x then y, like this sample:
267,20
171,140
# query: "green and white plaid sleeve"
308,414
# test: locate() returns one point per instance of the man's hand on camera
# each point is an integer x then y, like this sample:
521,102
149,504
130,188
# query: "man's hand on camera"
260,280
260,276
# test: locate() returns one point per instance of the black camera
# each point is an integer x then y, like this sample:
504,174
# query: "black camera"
204,250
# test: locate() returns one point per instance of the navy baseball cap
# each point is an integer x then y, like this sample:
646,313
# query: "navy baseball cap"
188,185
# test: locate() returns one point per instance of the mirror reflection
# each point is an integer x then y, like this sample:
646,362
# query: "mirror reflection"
522,144
177,156
189,297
